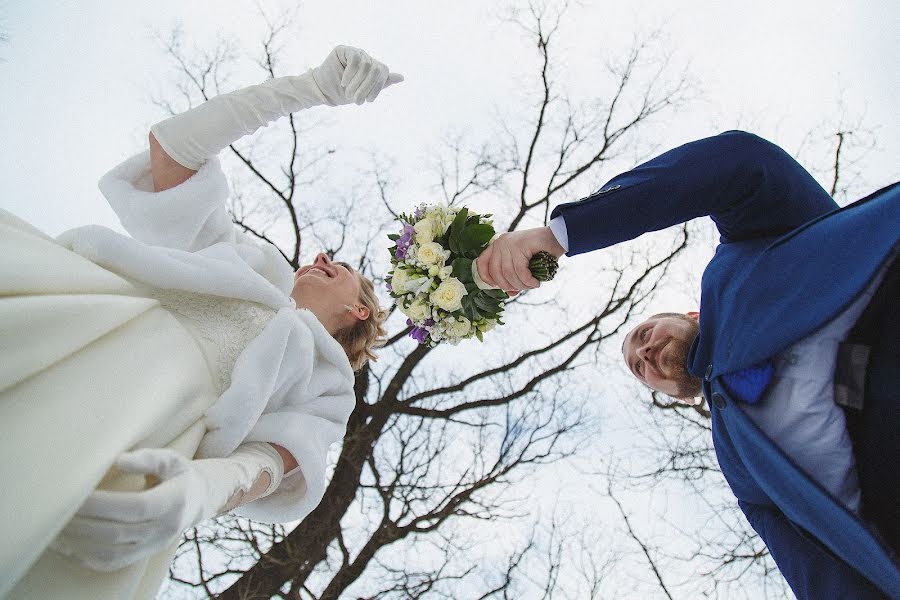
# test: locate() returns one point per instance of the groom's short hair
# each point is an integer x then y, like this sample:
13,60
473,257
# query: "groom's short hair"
669,314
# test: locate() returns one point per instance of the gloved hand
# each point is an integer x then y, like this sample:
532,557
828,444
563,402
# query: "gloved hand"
115,529
348,75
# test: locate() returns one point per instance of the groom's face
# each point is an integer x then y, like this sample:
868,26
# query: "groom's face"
656,354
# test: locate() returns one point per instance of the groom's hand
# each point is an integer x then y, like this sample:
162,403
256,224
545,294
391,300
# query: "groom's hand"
504,264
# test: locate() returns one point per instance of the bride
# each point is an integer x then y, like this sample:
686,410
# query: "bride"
153,381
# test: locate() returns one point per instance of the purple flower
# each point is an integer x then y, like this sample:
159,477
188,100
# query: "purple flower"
420,334
404,241
419,213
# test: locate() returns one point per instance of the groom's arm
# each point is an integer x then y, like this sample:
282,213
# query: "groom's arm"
750,187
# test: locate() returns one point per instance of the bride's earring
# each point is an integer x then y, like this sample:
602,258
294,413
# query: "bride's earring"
349,308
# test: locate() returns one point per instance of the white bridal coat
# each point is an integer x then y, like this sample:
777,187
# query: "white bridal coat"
95,363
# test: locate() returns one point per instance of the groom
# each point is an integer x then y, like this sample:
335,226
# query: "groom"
796,347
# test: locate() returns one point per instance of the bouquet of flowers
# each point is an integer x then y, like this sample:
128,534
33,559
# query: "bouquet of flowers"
434,279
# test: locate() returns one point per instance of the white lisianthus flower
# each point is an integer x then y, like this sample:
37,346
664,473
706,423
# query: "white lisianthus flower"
422,285
459,327
449,294
430,253
417,310
440,217
399,280
425,230
445,272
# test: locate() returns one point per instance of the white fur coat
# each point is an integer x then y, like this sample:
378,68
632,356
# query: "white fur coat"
293,384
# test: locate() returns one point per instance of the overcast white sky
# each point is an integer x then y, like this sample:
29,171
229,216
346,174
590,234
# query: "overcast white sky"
77,75
76,79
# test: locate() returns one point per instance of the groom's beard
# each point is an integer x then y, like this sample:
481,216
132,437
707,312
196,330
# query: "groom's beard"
687,386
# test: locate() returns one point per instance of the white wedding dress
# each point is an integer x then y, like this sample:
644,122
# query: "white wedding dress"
181,336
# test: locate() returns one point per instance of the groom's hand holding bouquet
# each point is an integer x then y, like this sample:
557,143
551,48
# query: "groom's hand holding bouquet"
505,263
449,272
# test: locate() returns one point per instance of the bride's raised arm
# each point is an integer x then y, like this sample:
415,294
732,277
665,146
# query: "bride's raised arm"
181,144
166,171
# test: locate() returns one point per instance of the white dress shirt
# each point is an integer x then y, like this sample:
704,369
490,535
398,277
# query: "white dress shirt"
558,227
798,411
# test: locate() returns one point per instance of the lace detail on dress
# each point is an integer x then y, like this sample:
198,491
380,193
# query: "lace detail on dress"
223,327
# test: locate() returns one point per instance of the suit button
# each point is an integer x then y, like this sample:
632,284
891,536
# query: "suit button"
708,372
719,401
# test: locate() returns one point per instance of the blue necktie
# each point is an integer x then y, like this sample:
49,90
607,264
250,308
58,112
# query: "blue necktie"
749,384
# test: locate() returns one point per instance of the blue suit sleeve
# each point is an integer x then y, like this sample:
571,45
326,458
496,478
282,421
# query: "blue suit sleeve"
750,187
811,571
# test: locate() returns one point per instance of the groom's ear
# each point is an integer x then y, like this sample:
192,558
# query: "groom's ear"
693,315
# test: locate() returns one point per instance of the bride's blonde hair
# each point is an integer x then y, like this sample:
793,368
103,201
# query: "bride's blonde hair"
362,337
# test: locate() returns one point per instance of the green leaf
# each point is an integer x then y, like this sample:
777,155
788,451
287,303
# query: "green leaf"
452,241
469,309
479,335
486,304
455,230
394,237
475,237
462,270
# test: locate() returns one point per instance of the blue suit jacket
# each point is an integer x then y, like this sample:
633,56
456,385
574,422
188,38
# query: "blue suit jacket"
788,262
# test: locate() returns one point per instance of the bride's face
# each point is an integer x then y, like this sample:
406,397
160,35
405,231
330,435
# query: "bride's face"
327,288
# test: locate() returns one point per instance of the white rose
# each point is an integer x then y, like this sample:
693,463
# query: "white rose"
430,253
399,280
459,327
417,310
445,272
449,294
425,231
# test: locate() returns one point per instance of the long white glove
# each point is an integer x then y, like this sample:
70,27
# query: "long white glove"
115,529
348,75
